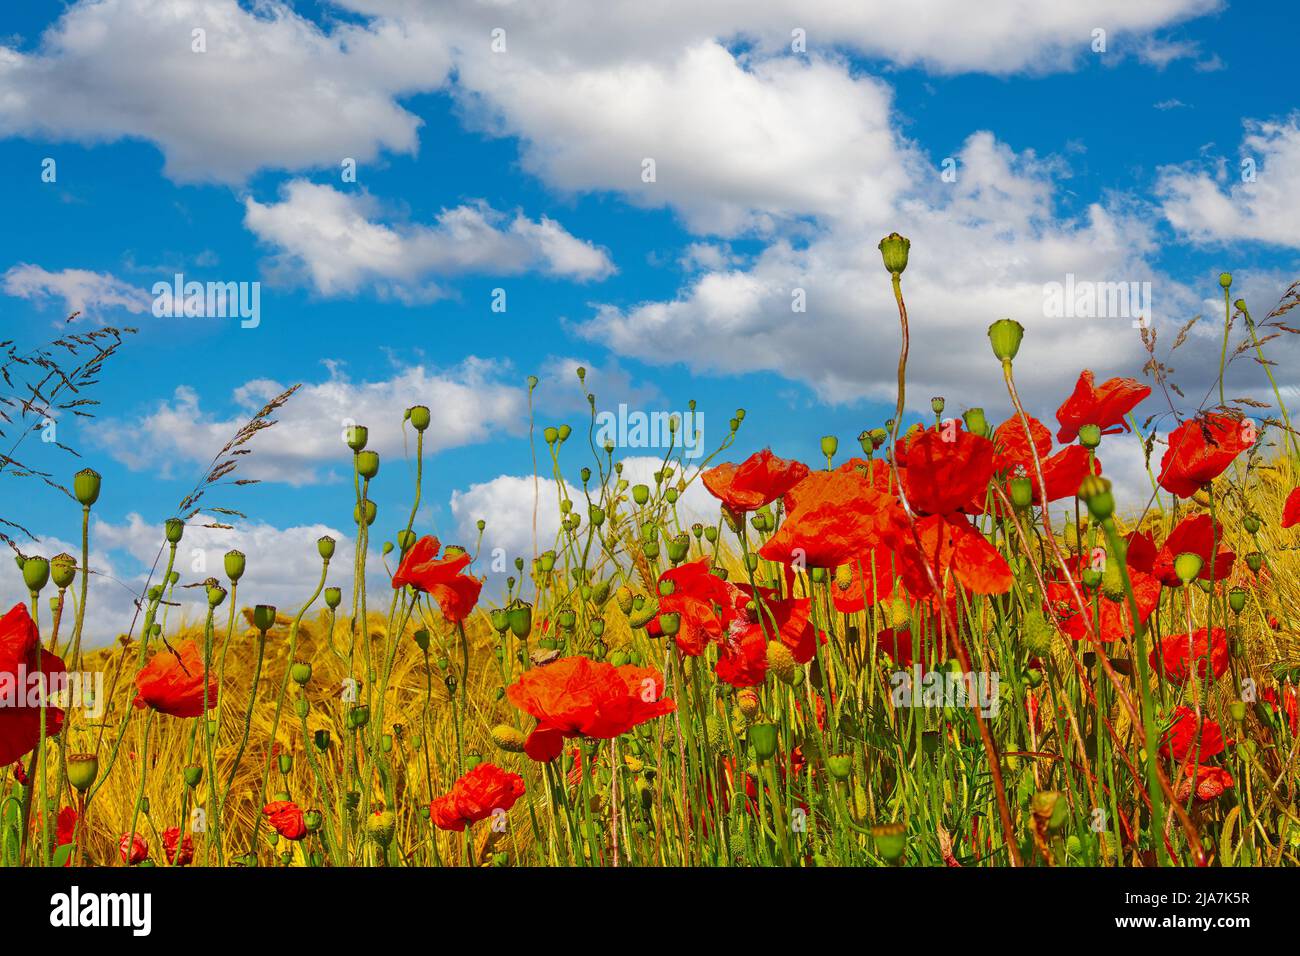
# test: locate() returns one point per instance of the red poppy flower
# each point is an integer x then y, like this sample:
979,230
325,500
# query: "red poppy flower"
19,772
27,674
951,544
832,517
902,646
172,836
1195,534
742,659
575,696
1210,782
476,796
1110,617
1291,510
759,480
946,470
440,578
286,819
65,830
877,472
1182,739
133,849
173,683
1103,406
702,600
1063,472
1288,704
1179,655
865,580
1201,449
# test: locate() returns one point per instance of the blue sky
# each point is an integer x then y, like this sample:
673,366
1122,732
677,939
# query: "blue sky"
775,169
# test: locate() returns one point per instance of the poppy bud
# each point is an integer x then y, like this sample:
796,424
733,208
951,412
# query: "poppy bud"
975,421
264,617
891,841
333,596
1095,492
1255,561
381,826
85,486
564,432
371,513
1005,336
1089,436
285,762
419,417
325,547
893,252
301,707
551,434
1022,492
174,528
508,738
63,569
762,737
193,775
1090,577
367,464
82,771
321,739
781,662
1187,566
300,672
36,573
1251,524
356,436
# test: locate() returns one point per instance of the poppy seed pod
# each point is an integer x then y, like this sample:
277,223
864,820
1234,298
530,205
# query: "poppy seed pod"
36,573
333,597
975,421
520,618
670,624
82,771
640,494
367,464
85,486
1022,492
264,617
1005,336
839,765
891,841
325,547
1050,809
1225,280
193,774
1237,600
216,594
830,445
893,252
1188,566
174,528
235,563
371,513
937,404
312,820
63,570
300,672
285,762
762,737
301,707
419,416
321,739
551,434
564,433
1089,436
356,436
1251,523
1255,561
359,715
